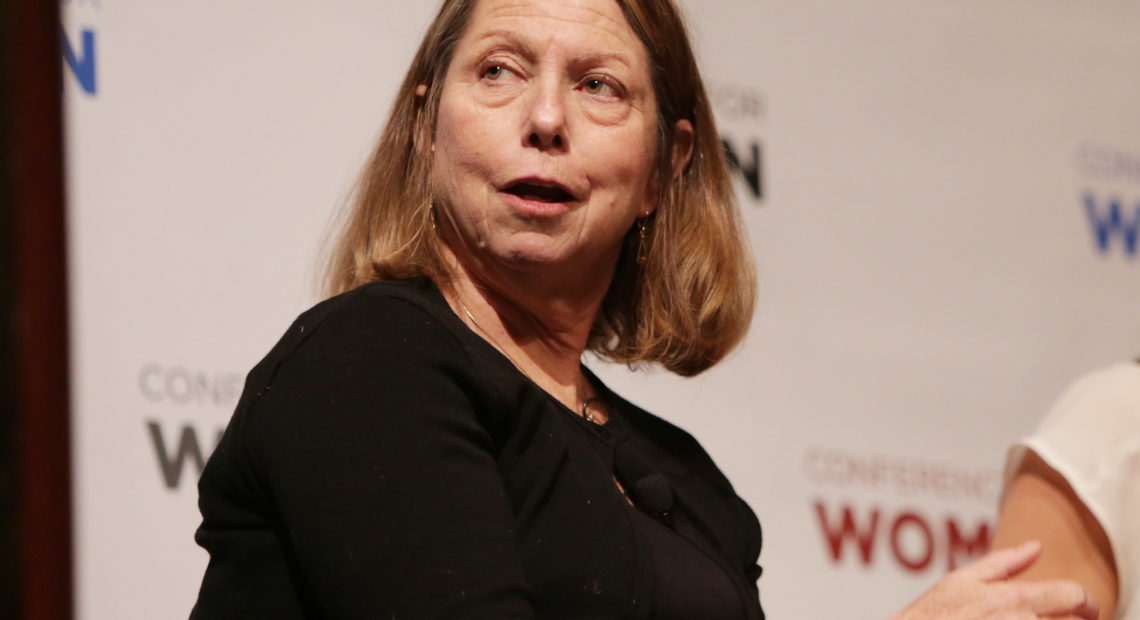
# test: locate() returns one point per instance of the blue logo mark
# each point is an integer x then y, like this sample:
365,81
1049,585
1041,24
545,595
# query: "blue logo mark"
82,65
1113,222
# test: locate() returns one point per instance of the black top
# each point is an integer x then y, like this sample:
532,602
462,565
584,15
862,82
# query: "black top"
384,461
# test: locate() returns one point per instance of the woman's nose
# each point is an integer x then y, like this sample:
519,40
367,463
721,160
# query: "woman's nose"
547,126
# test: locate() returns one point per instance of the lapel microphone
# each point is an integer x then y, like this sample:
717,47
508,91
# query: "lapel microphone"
647,487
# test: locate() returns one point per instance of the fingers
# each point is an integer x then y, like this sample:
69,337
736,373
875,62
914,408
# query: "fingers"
1003,564
1046,599
982,590
1052,599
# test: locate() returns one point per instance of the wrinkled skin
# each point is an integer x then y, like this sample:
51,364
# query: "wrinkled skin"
982,591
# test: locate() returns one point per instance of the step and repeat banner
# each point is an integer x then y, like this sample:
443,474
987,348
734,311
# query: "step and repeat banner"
943,198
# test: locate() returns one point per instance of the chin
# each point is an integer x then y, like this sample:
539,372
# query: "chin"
532,262
535,250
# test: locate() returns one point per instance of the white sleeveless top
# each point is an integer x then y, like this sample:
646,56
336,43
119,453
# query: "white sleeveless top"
1092,438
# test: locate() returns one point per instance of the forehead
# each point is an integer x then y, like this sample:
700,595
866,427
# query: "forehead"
598,23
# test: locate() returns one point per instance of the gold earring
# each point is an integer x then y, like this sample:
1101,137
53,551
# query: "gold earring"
642,244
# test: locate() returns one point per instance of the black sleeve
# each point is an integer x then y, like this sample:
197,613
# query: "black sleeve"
753,536
379,473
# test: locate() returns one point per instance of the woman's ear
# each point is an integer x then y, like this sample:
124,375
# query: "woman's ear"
683,138
421,102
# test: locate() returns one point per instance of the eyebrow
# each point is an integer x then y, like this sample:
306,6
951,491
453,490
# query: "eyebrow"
511,37
600,57
525,46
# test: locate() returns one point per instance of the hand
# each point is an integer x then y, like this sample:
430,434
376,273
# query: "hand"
982,591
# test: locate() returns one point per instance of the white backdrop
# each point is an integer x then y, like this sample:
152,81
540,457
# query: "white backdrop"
918,181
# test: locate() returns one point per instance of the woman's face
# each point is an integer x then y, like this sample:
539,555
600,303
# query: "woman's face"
545,139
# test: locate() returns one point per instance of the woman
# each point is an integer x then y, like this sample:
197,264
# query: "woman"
1075,484
428,443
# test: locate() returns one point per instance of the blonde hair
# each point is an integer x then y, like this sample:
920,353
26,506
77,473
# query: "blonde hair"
686,307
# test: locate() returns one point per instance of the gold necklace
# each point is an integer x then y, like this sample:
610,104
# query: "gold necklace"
590,417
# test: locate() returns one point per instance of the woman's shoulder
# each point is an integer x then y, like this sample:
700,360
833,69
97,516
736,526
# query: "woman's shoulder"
374,339
1095,421
398,314
1105,401
1121,381
378,355
388,304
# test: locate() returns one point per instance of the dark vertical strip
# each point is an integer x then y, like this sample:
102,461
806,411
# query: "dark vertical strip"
9,566
41,312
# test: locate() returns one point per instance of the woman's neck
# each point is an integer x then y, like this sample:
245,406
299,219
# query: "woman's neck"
543,334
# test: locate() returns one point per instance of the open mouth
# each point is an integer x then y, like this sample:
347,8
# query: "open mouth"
539,192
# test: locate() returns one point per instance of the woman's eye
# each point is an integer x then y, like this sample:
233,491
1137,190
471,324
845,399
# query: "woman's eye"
598,87
494,72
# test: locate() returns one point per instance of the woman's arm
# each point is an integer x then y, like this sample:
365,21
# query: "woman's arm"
1050,555
369,458
1041,505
